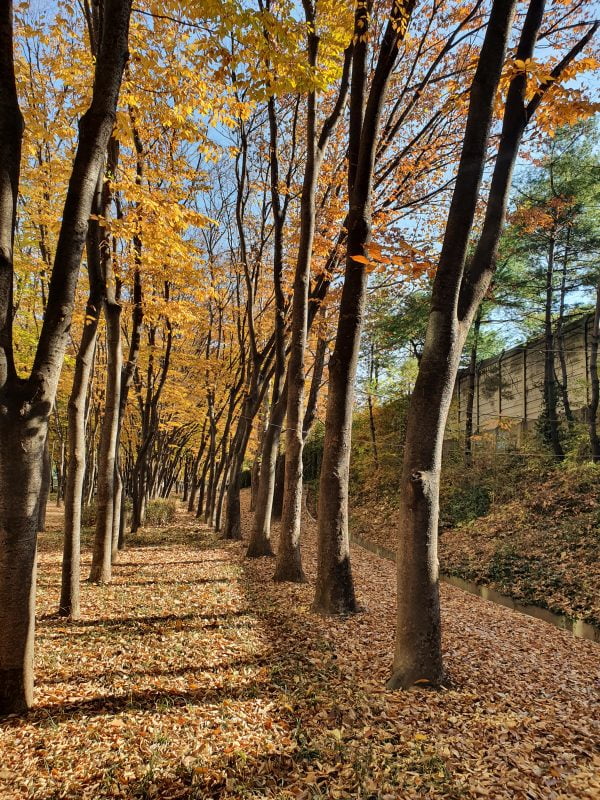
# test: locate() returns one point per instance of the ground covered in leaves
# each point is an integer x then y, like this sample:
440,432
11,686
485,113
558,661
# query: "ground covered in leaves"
541,547
194,676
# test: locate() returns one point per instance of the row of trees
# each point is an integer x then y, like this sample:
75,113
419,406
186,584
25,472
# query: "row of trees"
260,164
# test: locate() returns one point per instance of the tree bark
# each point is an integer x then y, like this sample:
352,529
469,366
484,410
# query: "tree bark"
551,429
20,481
260,534
563,384
277,508
289,562
594,381
44,489
71,569
468,453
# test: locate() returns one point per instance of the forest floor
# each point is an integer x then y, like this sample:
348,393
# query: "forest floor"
541,547
193,675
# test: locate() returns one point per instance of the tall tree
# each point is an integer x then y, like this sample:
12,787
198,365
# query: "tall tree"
335,589
456,295
26,403
289,566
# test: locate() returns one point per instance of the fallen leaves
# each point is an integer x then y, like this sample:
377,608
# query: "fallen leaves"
238,691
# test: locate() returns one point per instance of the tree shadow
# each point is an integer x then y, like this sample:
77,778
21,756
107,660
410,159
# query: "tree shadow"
160,672
214,619
192,582
190,562
145,700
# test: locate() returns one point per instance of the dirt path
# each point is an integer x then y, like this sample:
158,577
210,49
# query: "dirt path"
193,676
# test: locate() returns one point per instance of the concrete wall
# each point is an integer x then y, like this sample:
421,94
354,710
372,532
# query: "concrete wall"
509,387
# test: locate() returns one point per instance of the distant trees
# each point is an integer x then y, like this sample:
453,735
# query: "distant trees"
551,248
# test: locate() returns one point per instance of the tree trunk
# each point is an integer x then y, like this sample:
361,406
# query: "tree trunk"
563,384
277,509
551,429
44,489
334,593
372,426
117,540
195,467
594,381
202,489
289,562
101,570
20,482
260,534
71,567
418,639
26,404
457,293
60,474
200,506
233,520
471,391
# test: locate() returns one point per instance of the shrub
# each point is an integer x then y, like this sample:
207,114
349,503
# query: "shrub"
160,512
463,504
89,513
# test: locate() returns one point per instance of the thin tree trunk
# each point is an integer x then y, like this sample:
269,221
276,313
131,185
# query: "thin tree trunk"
334,592
277,509
372,427
594,381
71,567
551,430
117,540
233,529
315,385
69,604
563,385
471,391
44,490
101,571
289,561
260,533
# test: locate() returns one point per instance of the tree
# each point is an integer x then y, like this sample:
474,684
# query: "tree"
289,566
26,403
456,295
335,590
553,240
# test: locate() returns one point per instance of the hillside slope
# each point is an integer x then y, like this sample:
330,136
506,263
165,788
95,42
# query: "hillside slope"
542,546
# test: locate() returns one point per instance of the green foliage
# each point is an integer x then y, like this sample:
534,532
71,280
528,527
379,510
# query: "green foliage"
312,454
367,473
465,503
557,203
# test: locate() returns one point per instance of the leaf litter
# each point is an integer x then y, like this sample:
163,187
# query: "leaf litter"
193,675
